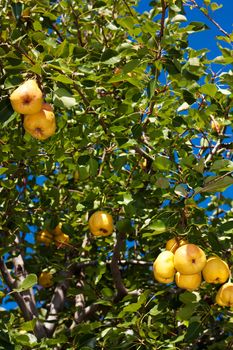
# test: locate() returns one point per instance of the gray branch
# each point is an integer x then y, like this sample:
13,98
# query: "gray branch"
116,274
26,301
57,303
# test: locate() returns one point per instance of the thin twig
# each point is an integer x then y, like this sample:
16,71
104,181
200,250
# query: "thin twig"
143,153
57,31
102,162
129,9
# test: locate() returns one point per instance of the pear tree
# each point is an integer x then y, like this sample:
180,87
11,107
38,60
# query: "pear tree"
121,143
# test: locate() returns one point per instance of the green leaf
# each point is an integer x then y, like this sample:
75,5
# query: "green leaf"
3,170
215,184
195,27
226,227
187,297
29,325
155,311
186,312
215,6
132,307
131,65
162,182
200,167
162,163
183,107
27,283
6,111
28,339
181,191
17,9
222,165
179,18
124,225
93,166
193,331
83,172
209,89
158,226
62,78
63,98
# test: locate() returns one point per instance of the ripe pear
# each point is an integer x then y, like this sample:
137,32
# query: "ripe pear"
45,279
58,231
61,240
41,125
44,236
224,296
27,98
189,259
101,223
164,265
189,282
174,243
216,270
163,279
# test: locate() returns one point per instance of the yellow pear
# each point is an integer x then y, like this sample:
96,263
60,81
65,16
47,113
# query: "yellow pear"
163,279
143,164
45,279
61,239
189,259
164,265
41,125
174,243
216,270
224,295
189,282
101,223
27,98
58,231
44,237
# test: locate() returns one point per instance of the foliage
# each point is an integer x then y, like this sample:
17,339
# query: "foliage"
125,87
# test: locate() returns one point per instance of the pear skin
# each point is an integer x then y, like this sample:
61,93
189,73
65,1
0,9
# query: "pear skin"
40,125
27,98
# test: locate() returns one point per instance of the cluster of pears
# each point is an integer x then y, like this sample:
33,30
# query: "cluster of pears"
101,223
186,263
57,236
39,120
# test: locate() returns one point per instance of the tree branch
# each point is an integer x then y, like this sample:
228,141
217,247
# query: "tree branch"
76,19
77,266
28,306
116,274
57,303
10,282
162,23
24,300
79,301
85,314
